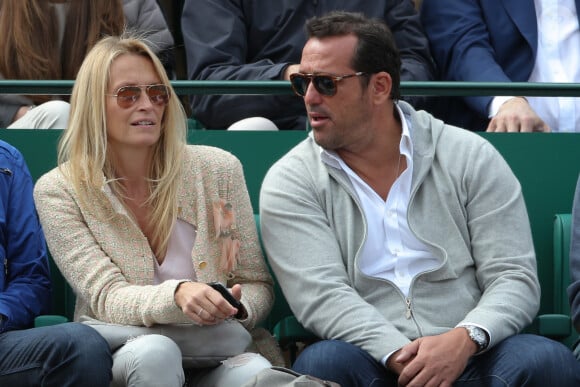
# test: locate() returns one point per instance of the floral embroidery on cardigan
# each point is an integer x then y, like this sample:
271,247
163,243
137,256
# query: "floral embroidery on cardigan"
224,219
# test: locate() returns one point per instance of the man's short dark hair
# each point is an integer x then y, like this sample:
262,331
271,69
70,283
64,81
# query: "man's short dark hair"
376,49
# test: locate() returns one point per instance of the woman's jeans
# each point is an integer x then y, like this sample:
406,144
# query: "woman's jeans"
521,360
155,360
70,354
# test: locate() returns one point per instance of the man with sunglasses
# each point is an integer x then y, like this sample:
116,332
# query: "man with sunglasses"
400,241
262,40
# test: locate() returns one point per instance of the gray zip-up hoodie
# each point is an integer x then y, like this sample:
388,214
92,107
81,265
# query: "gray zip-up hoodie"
466,205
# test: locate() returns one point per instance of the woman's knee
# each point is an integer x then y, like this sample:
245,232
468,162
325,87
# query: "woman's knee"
155,351
148,360
49,115
56,114
233,371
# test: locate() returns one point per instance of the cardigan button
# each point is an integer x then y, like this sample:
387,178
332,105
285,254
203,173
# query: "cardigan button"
202,265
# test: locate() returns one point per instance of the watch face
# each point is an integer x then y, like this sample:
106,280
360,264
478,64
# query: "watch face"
478,336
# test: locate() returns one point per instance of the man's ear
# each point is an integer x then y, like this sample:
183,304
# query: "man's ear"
381,84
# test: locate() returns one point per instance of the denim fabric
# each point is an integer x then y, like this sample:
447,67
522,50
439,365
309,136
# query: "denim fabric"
343,363
521,360
71,354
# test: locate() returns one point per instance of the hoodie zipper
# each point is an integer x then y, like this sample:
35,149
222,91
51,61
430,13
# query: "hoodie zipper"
408,312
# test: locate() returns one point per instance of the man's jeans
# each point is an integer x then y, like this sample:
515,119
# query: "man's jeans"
521,360
71,354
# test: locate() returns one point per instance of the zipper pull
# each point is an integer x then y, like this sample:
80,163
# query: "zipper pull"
408,311
6,171
6,267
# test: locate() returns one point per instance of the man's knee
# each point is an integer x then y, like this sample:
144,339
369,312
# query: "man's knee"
537,358
331,353
49,115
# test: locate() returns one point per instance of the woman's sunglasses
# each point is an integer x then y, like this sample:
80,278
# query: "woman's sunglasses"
323,83
127,96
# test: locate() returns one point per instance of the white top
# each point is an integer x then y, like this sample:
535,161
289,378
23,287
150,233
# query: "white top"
392,252
178,263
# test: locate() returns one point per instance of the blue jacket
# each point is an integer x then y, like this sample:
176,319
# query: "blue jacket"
480,41
24,276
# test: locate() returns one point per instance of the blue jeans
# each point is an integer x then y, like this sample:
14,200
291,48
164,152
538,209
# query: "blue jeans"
521,360
71,354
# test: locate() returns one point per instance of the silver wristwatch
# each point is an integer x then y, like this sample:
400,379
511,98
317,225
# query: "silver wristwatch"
478,336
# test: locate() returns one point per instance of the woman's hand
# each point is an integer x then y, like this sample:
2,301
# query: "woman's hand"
204,305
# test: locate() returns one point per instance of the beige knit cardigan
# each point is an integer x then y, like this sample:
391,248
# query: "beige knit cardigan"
108,261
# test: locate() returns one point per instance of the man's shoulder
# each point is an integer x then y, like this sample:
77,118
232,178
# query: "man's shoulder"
9,151
427,128
10,156
434,138
305,152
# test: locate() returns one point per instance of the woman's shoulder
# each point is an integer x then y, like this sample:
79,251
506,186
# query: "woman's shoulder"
52,178
209,156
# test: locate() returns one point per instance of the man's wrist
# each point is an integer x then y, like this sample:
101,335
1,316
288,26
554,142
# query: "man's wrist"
478,336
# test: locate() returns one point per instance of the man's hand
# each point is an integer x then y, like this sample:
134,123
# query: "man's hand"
516,115
397,366
434,360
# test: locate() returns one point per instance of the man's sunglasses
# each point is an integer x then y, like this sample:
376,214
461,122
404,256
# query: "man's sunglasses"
127,96
323,83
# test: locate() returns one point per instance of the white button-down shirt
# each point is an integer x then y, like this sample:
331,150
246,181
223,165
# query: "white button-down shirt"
391,251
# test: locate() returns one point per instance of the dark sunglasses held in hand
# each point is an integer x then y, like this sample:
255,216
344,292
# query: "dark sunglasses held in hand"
325,84
127,96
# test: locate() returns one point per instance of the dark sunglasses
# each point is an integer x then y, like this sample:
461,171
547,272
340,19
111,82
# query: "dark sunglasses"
325,84
127,96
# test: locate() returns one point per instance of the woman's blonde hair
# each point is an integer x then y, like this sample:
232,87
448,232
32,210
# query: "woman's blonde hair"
84,156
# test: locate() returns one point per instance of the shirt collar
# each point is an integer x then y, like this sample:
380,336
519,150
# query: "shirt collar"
332,159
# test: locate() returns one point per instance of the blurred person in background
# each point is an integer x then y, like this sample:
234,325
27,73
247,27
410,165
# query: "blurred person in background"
506,41
262,41
48,40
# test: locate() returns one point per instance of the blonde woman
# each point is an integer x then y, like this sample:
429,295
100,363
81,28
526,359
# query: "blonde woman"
139,223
